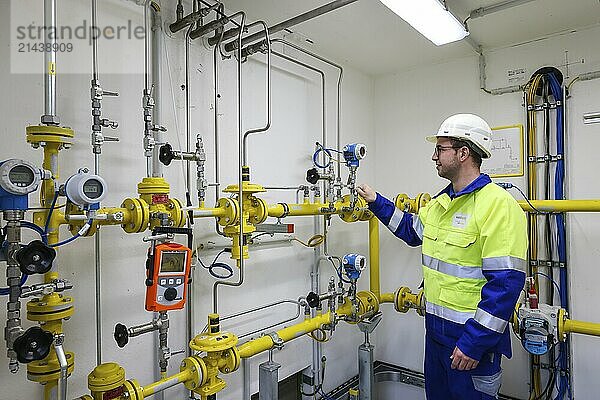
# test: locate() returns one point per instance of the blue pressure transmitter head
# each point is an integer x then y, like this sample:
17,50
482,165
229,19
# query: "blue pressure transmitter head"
18,178
353,153
354,264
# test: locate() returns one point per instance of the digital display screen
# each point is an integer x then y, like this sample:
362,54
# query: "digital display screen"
21,176
92,189
173,261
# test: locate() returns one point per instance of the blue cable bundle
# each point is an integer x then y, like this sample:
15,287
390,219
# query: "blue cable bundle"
559,177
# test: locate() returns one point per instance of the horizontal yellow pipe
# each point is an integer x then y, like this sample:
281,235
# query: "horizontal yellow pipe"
586,328
561,205
168,382
264,343
278,210
209,212
387,298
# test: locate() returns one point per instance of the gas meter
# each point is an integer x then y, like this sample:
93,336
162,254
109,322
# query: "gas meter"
167,276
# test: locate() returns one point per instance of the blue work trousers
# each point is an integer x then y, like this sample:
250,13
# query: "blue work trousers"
444,383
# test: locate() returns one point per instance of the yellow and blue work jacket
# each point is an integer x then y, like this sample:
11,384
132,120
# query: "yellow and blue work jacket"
474,246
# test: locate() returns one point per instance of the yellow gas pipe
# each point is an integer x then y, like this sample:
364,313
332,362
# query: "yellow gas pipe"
51,309
374,283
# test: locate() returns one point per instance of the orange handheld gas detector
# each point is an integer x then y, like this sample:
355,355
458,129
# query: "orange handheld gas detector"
167,276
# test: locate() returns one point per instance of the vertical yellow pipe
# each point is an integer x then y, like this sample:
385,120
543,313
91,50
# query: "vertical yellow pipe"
374,256
51,164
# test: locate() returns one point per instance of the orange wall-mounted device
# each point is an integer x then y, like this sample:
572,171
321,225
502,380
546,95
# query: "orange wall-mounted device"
167,276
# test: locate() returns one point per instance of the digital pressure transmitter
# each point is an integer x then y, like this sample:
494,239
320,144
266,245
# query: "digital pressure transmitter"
353,153
85,190
18,178
354,264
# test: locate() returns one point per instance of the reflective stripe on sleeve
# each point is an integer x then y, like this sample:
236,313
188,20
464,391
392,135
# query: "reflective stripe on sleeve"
395,220
457,271
489,321
502,263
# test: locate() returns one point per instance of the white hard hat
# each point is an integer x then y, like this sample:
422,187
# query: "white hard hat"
467,127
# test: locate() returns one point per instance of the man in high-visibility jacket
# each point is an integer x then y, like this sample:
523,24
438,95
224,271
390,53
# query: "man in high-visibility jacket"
474,244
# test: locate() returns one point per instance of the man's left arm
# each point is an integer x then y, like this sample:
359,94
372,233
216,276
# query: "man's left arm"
504,255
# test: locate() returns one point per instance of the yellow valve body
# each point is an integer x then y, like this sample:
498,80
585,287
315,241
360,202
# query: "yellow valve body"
106,377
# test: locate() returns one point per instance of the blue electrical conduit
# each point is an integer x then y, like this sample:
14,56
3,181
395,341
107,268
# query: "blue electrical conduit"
557,93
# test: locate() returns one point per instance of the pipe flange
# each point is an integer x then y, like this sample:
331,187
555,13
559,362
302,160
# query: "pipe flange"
233,361
48,369
261,210
357,213
421,201
368,303
562,317
140,215
39,135
133,389
400,305
177,214
53,307
402,202
232,212
198,367
421,303
278,342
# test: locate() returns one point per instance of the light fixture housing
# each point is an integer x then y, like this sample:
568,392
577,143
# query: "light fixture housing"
430,18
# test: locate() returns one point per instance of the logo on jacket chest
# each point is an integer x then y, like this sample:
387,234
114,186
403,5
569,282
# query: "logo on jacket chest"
460,220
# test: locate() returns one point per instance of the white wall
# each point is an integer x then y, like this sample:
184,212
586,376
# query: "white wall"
280,157
410,105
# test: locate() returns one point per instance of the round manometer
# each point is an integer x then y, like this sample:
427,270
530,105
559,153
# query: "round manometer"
19,177
85,189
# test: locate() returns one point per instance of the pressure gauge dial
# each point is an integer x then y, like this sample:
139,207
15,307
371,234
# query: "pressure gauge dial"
19,177
85,189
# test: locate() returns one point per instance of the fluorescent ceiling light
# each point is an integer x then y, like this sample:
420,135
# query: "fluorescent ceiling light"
430,18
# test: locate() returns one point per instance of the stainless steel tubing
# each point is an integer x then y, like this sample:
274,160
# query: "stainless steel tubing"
268,97
334,5
62,362
97,243
246,383
339,89
216,123
324,103
50,117
240,182
157,57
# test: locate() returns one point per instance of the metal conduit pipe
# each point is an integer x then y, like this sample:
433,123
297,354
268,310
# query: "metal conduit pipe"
216,97
97,242
157,57
50,116
493,8
322,74
240,181
334,5
268,97
339,90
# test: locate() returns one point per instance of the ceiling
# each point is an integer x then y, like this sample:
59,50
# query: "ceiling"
372,39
